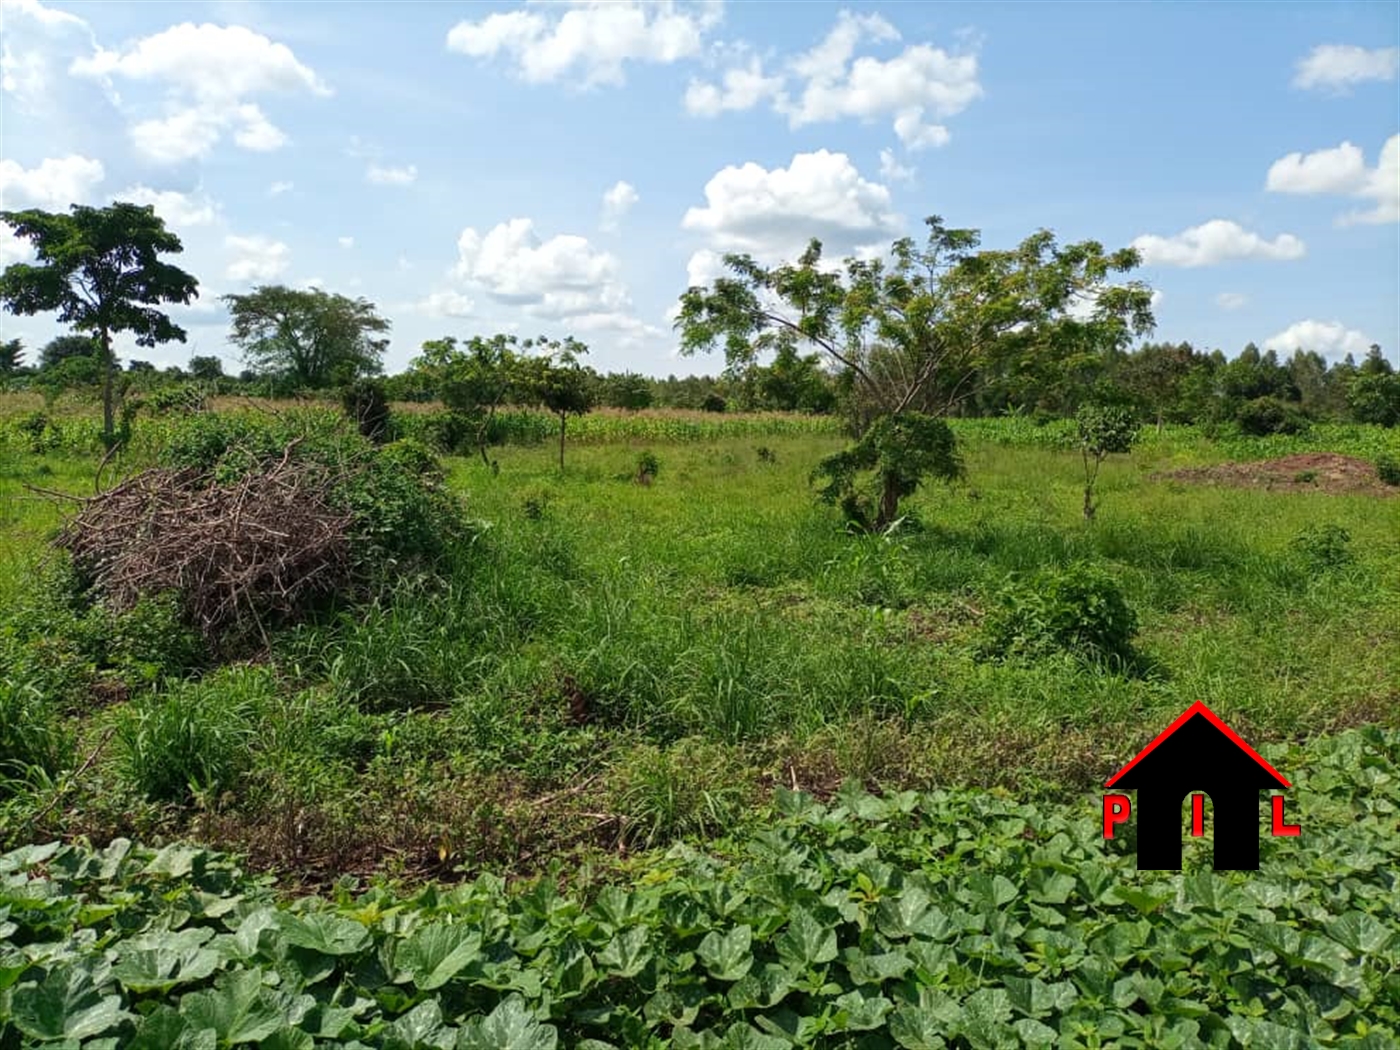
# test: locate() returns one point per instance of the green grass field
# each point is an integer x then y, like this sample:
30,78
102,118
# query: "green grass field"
611,667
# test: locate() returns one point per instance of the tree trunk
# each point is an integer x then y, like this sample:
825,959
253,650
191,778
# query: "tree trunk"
109,371
889,502
563,424
1088,502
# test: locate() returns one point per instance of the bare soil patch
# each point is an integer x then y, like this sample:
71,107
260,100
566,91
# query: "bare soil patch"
1305,472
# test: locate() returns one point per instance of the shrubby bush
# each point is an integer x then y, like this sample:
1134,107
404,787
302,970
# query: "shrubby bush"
1079,609
1269,415
1323,547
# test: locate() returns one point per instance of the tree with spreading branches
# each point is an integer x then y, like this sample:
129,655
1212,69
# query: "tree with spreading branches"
914,335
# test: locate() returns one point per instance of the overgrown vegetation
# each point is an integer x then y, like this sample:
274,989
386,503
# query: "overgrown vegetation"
951,919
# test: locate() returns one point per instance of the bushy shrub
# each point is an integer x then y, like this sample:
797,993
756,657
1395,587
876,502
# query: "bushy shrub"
648,466
1388,469
366,405
1269,415
414,457
1322,547
713,403
195,739
1079,609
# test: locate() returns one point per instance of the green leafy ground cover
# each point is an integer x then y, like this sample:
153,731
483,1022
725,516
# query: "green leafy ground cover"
945,919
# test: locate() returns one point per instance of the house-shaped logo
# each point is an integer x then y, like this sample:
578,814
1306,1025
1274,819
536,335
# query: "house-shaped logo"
1197,753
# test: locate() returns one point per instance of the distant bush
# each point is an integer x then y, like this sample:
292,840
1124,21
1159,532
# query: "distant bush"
365,403
713,403
648,466
1323,547
1079,609
1269,415
1388,469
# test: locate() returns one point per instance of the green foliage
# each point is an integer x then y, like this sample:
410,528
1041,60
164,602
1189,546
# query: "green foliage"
678,793
63,347
713,403
648,466
1104,430
1323,547
472,381
555,380
1269,415
902,452
194,740
1079,609
364,403
953,919
11,356
1388,469
307,338
32,733
1374,397
100,270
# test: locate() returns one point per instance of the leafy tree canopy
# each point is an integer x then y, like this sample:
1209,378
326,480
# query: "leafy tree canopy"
307,337
100,271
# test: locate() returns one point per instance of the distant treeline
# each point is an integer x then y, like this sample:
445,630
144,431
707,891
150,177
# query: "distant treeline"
1161,382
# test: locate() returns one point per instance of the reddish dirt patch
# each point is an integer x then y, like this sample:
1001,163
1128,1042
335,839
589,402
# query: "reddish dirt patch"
1305,472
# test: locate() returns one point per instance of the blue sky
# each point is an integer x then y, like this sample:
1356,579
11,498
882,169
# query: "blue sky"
570,168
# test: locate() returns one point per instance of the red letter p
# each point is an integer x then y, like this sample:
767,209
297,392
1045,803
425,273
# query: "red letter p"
1116,810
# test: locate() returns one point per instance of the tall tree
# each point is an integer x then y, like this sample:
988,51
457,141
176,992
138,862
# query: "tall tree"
100,269
917,334
60,348
208,367
307,337
557,380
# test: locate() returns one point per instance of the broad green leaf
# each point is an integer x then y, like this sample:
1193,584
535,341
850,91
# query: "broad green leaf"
726,956
1362,933
919,1028
160,969
856,1012
65,1005
872,968
806,942
436,953
420,1028
166,1029
744,1036
510,1026
626,955
324,932
240,1010
1034,998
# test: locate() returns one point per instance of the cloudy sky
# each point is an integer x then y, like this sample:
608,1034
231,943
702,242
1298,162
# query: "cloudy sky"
571,168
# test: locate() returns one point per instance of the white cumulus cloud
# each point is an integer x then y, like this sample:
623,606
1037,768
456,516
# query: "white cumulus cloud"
1340,66
773,214
177,209
1231,300
446,303
915,89
1215,242
1342,170
256,258
891,169
1332,339
617,202
209,73
54,184
390,176
279,188
564,276
590,42
346,242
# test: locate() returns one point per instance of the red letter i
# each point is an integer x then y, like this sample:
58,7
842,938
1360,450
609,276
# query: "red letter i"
1198,815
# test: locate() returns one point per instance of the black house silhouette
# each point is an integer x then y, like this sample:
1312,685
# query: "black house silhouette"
1198,752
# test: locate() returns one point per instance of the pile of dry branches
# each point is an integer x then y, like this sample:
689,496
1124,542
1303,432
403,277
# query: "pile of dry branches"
237,553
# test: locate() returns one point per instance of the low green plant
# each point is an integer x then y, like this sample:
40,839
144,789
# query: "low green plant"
32,733
672,793
1103,431
364,403
1388,469
891,460
194,740
1269,415
648,466
1079,609
1323,547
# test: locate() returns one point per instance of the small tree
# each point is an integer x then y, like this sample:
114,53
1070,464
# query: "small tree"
902,452
368,408
1103,431
556,380
627,390
919,334
307,337
474,380
100,269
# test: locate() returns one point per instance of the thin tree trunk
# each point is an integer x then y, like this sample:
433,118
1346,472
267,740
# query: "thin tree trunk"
889,503
109,436
563,424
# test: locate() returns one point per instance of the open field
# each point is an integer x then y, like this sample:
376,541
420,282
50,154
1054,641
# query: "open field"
610,667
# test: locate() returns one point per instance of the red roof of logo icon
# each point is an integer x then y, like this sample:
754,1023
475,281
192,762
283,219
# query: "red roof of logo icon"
1210,716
